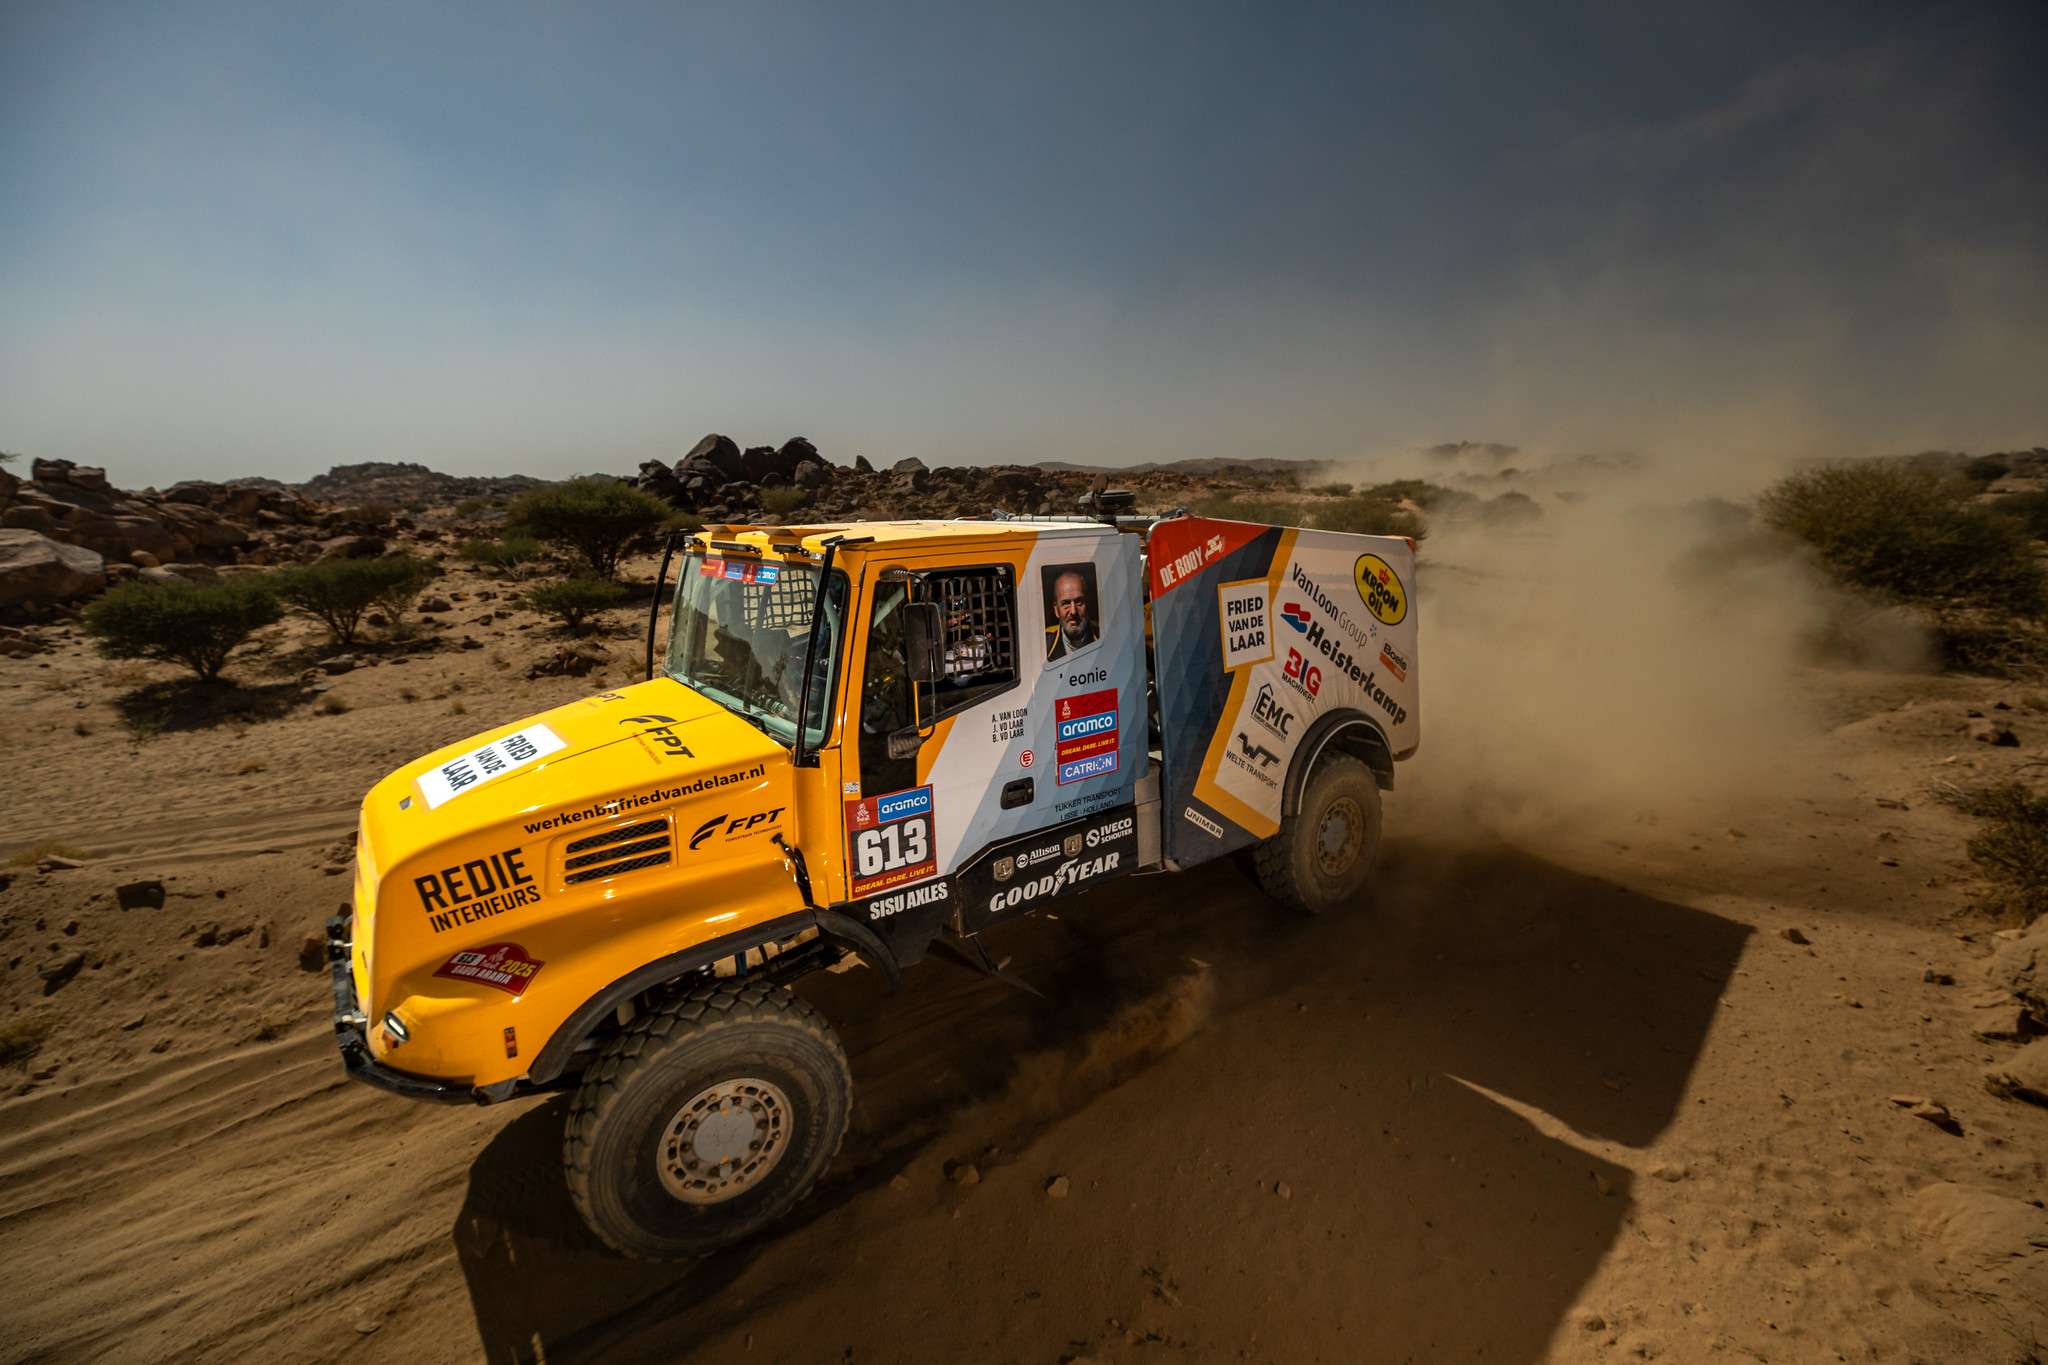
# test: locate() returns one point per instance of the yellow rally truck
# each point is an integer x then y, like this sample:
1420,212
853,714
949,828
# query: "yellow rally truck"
859,737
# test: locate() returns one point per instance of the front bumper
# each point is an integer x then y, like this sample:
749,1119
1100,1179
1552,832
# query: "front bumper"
351,1027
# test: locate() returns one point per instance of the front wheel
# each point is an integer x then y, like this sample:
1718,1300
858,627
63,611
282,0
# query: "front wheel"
1323,855
706,1120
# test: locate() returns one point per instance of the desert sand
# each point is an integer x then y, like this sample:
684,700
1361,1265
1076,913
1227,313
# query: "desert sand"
1568,1096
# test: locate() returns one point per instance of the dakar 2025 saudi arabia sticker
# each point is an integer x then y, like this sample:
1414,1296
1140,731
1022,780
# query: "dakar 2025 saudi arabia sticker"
480,765
503,965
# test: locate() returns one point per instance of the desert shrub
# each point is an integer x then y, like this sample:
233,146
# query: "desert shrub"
1908,533
197,626
515,556
2011,848
2027,510
573,600
470,507
27,857
1986,469
1230,508
341,591
601,521
22,1038
1332,490
1421,492
784,499
1509,509
1366,516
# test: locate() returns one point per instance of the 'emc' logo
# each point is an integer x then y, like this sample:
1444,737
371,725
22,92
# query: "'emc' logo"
1267,711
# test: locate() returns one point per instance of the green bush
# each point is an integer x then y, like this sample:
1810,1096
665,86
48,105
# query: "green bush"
182,623
514,556
341,591
784,499
1230,508
1366,516
1509,509
601,521
1908,533
2011,850
574,600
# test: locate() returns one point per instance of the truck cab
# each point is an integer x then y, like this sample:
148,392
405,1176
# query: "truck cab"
853,739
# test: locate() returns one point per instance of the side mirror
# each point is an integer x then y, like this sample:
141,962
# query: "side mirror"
905,743
923,650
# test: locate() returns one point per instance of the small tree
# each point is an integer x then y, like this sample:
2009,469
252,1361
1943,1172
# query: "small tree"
340,591
574,600
600,521
197,626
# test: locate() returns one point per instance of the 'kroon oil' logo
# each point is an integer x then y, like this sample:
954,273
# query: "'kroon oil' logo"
1379,587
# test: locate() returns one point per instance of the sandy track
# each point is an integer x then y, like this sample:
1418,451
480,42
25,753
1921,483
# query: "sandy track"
1467,1093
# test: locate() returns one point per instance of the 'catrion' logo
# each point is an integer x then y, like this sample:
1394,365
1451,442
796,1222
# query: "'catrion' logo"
1295,615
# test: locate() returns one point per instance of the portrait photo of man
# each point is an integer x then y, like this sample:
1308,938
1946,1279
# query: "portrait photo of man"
1073,616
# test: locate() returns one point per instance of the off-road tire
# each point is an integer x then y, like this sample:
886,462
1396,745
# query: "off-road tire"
618,1139
1323,856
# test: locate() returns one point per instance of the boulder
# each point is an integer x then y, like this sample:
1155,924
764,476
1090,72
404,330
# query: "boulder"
351,547
1991,1246
811,475
908,465
38,571
2021,967
861,465
2020,1075
720,453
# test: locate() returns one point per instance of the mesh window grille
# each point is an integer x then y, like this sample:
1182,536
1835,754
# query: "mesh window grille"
979,612
782,605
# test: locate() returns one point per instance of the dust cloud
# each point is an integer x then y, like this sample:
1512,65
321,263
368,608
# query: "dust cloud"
1621,647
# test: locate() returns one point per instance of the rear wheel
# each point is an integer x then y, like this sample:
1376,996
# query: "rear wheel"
1324,854
706,1120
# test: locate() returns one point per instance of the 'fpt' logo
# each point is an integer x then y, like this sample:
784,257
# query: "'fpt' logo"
1295,615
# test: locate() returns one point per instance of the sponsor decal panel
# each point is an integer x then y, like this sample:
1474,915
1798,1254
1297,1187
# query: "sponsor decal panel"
476,890
1021,874
1247,634
1361,633
653,796
1306,676
939,893
1380,588
506,754
503,966
1087,736
890,840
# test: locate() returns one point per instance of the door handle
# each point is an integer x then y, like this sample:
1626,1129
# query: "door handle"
1018,793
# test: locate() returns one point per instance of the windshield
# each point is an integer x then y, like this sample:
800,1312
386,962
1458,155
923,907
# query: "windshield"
740,632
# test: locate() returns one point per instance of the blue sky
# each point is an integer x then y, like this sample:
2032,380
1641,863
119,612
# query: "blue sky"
265,238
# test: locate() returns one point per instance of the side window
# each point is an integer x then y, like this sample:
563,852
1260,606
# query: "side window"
885,701
978,615
979,610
